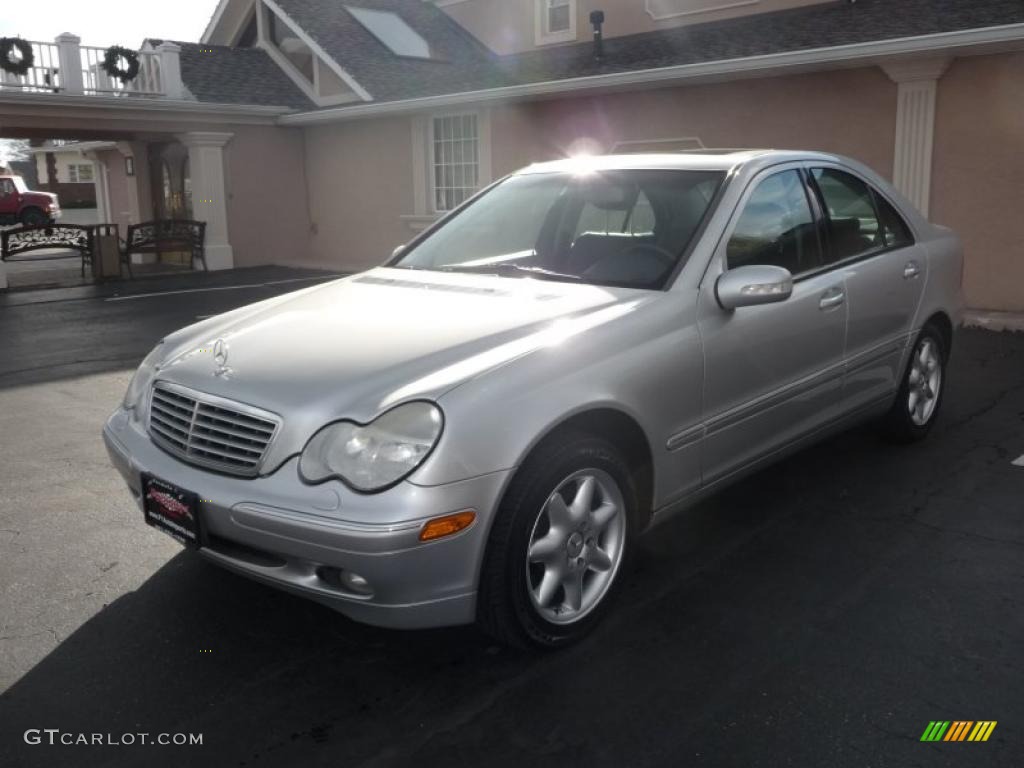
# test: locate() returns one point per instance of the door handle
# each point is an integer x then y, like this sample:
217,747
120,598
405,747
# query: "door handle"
911,270
832,298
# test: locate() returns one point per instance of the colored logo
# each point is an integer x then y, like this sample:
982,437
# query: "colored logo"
958,730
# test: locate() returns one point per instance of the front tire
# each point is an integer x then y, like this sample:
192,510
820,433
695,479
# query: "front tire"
924,383
558,544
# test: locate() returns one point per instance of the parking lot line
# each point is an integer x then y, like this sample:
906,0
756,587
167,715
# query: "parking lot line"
155,294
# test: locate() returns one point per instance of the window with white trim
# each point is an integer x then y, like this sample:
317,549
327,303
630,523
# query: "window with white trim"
455,159
556,21
80,173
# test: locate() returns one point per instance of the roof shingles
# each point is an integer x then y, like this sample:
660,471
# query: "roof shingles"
460,63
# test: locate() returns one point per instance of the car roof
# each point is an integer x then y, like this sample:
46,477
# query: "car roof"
690,160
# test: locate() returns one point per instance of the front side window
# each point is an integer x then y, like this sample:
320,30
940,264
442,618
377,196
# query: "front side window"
456,160
776,227
853,226
6,187
626,228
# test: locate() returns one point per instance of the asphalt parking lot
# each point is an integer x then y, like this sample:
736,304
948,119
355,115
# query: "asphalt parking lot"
821,613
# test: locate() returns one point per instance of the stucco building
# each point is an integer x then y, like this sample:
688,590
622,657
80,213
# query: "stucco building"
327,133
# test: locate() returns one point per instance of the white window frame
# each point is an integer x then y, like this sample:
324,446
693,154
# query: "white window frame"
75,170
543,36
432,163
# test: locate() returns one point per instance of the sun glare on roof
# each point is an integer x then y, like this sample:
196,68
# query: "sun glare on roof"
392,30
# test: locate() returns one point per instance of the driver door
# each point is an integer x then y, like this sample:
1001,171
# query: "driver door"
8,199
774,372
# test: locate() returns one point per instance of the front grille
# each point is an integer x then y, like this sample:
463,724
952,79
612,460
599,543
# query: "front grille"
210,431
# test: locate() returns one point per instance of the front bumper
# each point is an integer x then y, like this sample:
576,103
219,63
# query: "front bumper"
296,537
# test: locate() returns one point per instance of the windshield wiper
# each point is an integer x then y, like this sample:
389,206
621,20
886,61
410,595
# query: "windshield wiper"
505,268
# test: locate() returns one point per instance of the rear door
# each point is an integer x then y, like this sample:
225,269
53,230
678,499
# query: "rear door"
773,373
868,241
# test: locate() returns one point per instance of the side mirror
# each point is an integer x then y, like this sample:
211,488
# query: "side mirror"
398,251
753,285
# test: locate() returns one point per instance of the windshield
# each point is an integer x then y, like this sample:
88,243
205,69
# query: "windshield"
627,228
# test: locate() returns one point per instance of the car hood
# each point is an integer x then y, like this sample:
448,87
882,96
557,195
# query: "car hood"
354,347
39,197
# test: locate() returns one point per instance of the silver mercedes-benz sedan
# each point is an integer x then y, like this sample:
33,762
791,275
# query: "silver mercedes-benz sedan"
481,428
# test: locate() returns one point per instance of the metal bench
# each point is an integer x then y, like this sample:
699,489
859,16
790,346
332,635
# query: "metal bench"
14,243
168,236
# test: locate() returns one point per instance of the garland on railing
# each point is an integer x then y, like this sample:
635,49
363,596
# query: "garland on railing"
112,63
16,67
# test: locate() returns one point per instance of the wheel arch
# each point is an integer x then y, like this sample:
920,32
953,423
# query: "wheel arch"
619,428
944,324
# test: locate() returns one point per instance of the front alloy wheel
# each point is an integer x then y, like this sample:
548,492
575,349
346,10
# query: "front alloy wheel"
558,543
576,546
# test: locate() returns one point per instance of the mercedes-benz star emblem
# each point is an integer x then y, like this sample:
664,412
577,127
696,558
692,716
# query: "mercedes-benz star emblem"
220,358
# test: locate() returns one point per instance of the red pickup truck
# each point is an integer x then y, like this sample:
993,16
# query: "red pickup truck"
19,204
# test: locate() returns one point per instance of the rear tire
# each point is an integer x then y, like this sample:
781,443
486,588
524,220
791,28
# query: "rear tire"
34,217
558,544
924,383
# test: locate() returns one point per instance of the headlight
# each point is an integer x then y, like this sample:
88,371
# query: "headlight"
375,456
143,377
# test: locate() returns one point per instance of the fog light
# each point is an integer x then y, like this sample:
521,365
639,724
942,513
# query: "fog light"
440,527
353,582
348,581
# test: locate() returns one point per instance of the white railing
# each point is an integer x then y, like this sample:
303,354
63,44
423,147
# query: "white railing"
65,66
96,80
42,77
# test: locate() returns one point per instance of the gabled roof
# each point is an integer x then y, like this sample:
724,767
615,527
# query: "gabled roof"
462,65
459,62
223,75
219,74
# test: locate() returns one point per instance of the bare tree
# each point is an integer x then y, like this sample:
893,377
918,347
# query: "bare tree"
12,150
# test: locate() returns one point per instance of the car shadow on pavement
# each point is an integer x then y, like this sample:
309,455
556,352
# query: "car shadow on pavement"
831,589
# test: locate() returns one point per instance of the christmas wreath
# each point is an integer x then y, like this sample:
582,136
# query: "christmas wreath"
8,45
112,65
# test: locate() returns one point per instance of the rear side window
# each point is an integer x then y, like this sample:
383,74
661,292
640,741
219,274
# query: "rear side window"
897,233
776,227
853,225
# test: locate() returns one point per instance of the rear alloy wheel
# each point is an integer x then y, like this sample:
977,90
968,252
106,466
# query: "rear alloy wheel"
920,395
558,543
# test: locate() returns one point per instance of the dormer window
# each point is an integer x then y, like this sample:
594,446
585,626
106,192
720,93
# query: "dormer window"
392,31
556,21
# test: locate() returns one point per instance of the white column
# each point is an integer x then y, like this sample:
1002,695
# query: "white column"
101,182
917,84
69,53
209,193
170,70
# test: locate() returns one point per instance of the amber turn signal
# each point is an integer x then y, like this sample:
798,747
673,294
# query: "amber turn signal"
440,527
